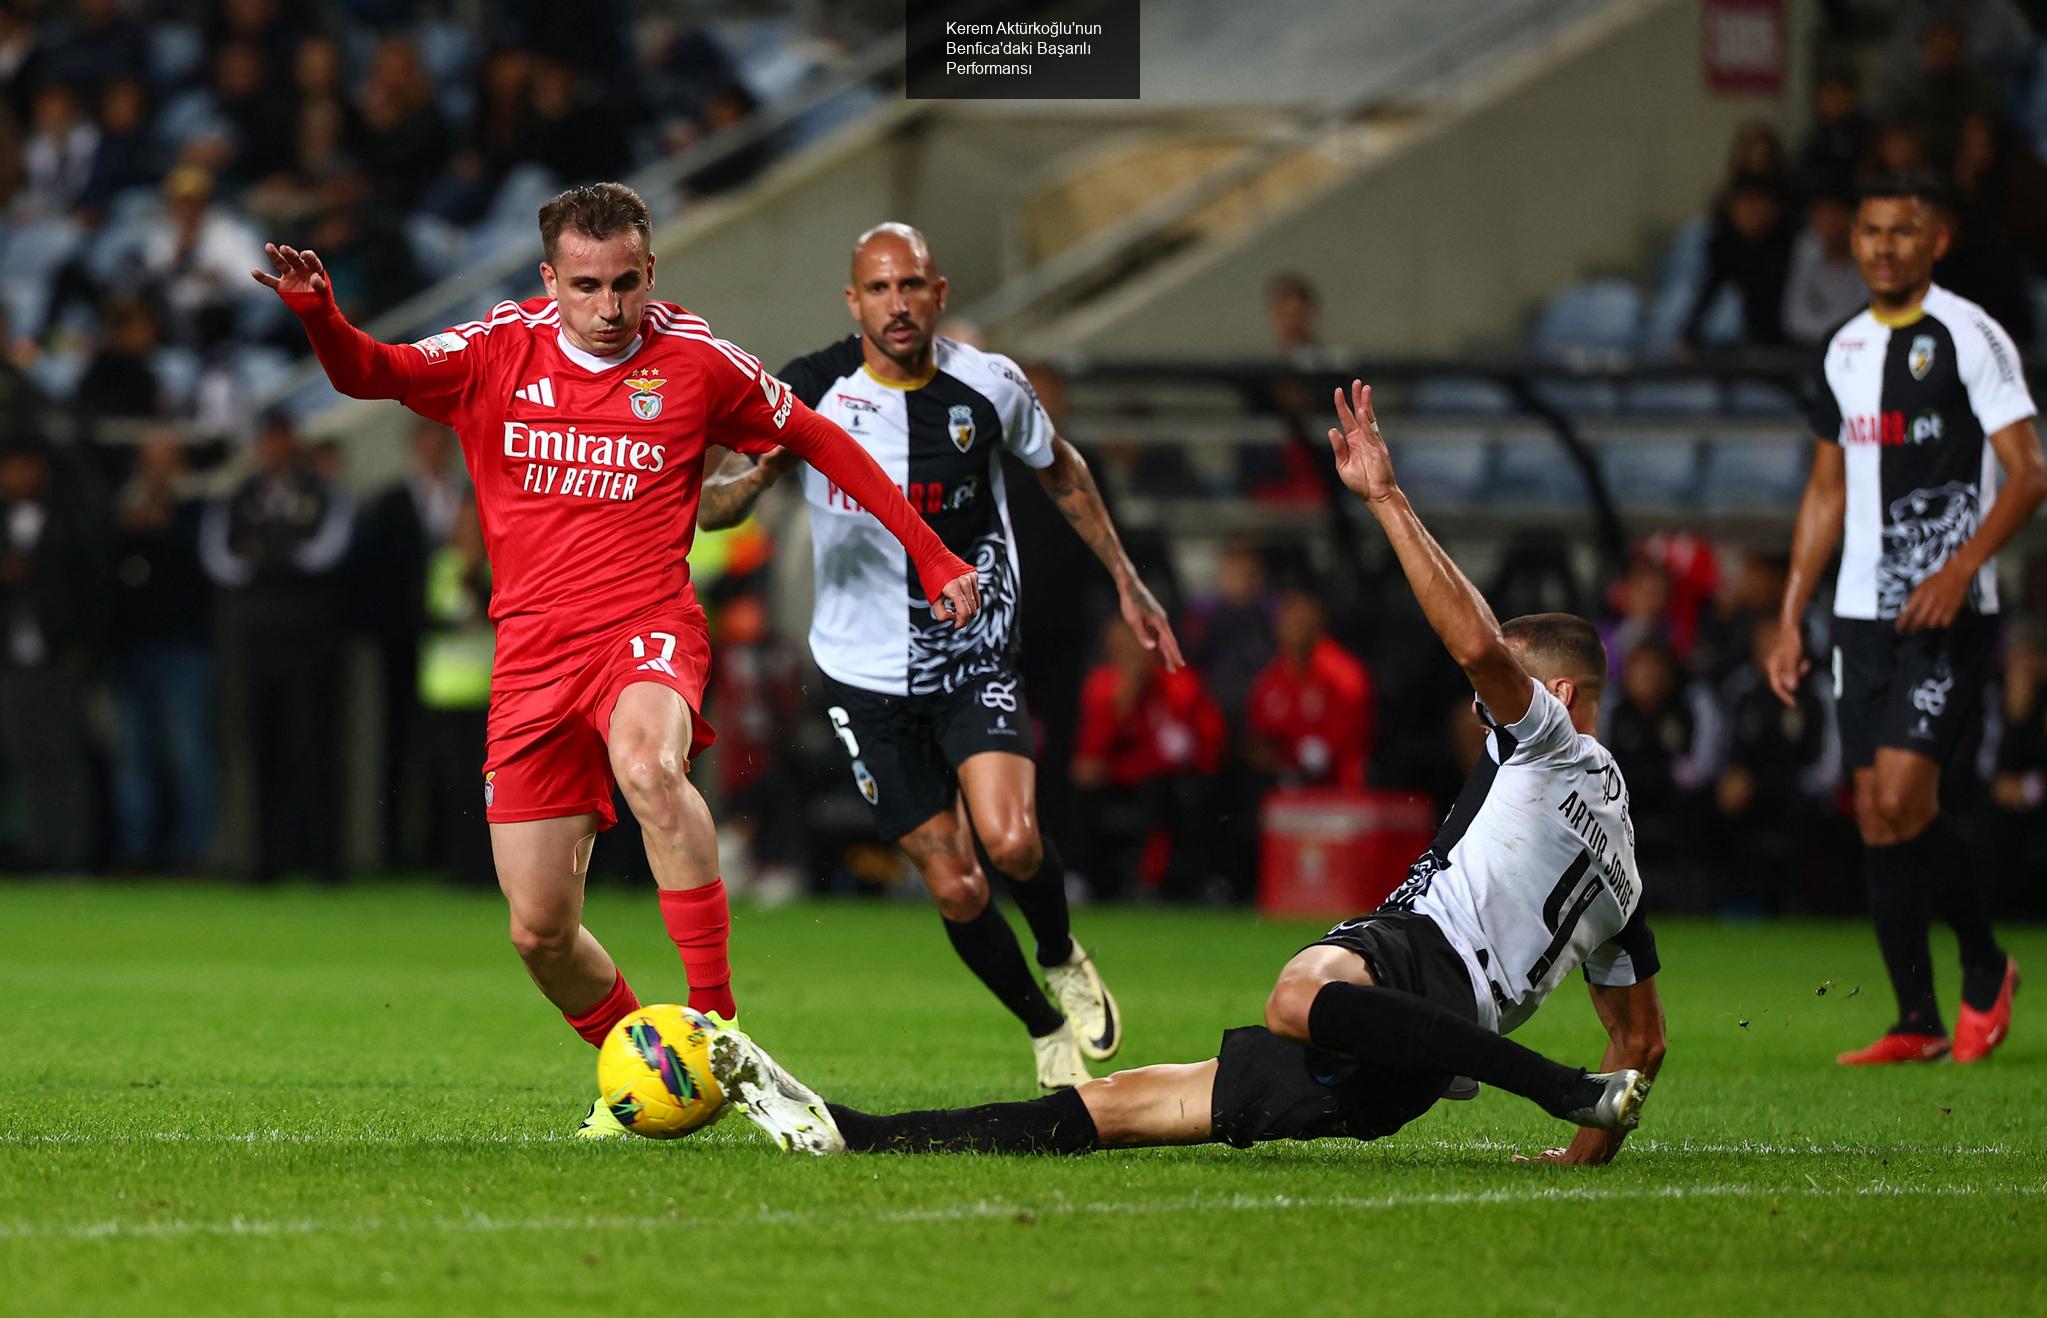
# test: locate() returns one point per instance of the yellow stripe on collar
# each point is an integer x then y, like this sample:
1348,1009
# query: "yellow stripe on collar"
1901,319
917,383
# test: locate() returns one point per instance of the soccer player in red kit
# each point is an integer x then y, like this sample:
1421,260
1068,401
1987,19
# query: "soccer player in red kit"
584,417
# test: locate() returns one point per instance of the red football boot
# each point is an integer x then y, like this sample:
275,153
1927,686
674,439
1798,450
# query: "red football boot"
1978,1032
1898,1048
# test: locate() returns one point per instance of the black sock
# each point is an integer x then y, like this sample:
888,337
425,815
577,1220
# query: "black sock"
1408,1033
1960,898
1057,1123
1042,899
989,947
1900,902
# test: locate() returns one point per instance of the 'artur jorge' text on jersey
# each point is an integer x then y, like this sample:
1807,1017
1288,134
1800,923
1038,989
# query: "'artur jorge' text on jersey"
941,441
1913,402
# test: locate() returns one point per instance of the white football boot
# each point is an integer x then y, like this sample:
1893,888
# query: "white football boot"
1059,1063
1089,1006
780,1104
1620,1104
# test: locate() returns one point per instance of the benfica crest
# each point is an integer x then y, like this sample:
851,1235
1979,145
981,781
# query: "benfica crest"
646,399
959,423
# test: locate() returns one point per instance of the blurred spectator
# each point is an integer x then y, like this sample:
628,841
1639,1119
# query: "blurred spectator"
1291,471
1750,249
570,133
118,383
199,260
1662,734
2018,786
1899,147
1757,156
1147,744
57,156
1229,631
161,668
1777,775
98,43
52,589
757,696
1839,137
729,105
400,139
453,691
1943,91
1312,709
258,107
1989,35
1641,613
121,160
366,255
1824,287
273,546
498,137
1749,592
1982,266
402,531
1999,178
21,403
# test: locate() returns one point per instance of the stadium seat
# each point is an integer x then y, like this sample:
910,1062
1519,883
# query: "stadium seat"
1532,469
258,370
1656,470
184,117
1680,274
436,244
1601,318
57,374
177,374
1684,398
1755,472
1442,465
1460,395
29,259
1579,397
525,190
1761,398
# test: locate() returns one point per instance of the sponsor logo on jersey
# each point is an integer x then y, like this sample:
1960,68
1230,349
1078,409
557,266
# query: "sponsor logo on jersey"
959,423
780,397
1927,428
1887,429
437,347
855,403
646,399
1920,358
524,443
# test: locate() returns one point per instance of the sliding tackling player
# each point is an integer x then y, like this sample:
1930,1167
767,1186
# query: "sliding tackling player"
933,718
1532,874
583,417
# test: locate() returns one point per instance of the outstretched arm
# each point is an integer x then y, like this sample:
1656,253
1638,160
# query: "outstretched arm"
731,492
1633,1017
357,364
1073,490
1458,613
1820,514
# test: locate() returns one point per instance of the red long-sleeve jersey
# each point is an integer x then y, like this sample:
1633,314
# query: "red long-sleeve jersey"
588,469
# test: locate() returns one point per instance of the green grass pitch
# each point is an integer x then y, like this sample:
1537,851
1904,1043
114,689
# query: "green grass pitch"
351,1102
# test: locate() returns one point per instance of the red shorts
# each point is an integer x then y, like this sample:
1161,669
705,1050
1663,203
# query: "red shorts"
546,752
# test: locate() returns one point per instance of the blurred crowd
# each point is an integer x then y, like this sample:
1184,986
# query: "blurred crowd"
147,151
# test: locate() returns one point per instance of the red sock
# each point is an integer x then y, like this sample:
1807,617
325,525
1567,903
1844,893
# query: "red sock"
700,923
612,1008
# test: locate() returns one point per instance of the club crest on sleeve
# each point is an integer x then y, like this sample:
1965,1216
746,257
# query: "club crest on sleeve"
1920,359
646,399
959,423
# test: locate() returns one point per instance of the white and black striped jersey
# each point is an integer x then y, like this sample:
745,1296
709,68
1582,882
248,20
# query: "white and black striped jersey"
1914,403
942,442
1533,871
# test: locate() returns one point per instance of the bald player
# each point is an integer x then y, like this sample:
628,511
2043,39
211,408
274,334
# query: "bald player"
936,732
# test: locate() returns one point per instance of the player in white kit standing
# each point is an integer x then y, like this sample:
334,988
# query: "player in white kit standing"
1531,876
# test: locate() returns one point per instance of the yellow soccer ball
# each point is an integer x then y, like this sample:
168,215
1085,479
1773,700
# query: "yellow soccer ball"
654,1072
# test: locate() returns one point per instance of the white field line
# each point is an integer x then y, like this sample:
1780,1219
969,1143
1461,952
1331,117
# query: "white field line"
487,1140
987,1210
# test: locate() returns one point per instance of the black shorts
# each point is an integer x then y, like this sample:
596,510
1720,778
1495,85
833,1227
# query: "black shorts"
1915,692
903,749
1269,1088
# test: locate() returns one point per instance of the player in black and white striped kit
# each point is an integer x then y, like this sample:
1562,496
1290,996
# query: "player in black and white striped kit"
1532,875
933,719
1927,463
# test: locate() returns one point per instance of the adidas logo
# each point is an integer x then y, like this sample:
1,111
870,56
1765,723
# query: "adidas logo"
657,666
541,391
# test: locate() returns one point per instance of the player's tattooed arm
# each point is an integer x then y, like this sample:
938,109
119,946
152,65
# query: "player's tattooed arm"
1633,1017
1458,613
730,493
1074,492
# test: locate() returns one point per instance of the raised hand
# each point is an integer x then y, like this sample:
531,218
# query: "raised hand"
297,271
1362,459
